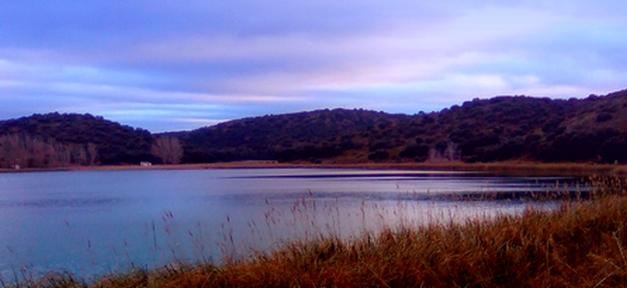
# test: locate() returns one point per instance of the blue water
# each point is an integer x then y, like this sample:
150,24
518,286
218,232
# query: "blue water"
95,222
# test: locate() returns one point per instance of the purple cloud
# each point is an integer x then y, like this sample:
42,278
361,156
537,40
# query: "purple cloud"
163,65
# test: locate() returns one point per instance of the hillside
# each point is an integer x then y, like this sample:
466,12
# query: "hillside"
54,140
319,134
501,128
593,130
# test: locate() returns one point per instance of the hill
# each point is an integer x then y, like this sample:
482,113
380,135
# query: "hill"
318,134
593,130
501,128
54,140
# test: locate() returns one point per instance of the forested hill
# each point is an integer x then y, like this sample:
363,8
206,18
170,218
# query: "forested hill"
501,128
54,139
319,134
497,129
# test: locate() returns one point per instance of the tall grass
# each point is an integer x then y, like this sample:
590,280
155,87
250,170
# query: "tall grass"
582,243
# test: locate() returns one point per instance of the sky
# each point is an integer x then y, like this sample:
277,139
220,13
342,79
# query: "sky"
179,65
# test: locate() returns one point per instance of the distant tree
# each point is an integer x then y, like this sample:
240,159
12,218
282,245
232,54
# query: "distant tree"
168,149
27,151
92,154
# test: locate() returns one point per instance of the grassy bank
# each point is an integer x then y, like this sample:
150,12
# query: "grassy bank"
581,244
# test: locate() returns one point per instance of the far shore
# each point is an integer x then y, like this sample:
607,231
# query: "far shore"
501,168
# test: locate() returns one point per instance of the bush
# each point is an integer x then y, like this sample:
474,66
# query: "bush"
415,151
604,117
379,155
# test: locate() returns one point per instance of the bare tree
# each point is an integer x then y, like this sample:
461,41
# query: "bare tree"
40,153
450,153
63,154
18,153
78,155
169,149
92,154
27,151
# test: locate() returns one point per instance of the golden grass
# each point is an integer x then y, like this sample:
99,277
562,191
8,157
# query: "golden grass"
580,244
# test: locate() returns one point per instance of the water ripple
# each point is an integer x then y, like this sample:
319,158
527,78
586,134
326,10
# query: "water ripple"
62,202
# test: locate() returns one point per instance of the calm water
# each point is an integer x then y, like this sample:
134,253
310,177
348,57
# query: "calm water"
95,222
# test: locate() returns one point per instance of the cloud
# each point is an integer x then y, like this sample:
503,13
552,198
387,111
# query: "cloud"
160,64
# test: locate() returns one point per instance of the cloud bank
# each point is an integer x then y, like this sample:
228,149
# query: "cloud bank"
166,65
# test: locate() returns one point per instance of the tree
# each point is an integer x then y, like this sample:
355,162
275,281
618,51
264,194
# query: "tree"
168,149
92,154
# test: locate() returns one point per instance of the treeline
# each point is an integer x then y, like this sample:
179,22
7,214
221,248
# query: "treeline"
18,151
593,129
57,140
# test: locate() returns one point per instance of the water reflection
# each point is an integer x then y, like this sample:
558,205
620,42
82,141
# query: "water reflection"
95,222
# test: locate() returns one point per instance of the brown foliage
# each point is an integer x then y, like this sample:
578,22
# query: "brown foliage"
168,149
29,152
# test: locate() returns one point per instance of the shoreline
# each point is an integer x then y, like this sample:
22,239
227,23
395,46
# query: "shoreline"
498,168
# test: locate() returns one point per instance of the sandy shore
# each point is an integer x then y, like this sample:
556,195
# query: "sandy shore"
504,168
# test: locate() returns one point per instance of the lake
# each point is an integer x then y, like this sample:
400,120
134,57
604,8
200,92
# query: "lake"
94,222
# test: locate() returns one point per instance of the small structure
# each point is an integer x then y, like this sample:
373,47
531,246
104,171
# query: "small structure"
145,163
17,167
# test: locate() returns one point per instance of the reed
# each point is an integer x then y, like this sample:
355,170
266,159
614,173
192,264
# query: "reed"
583,243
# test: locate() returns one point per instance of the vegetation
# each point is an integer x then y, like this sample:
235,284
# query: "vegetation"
591,130
581,244
57,140
498,129
307,135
